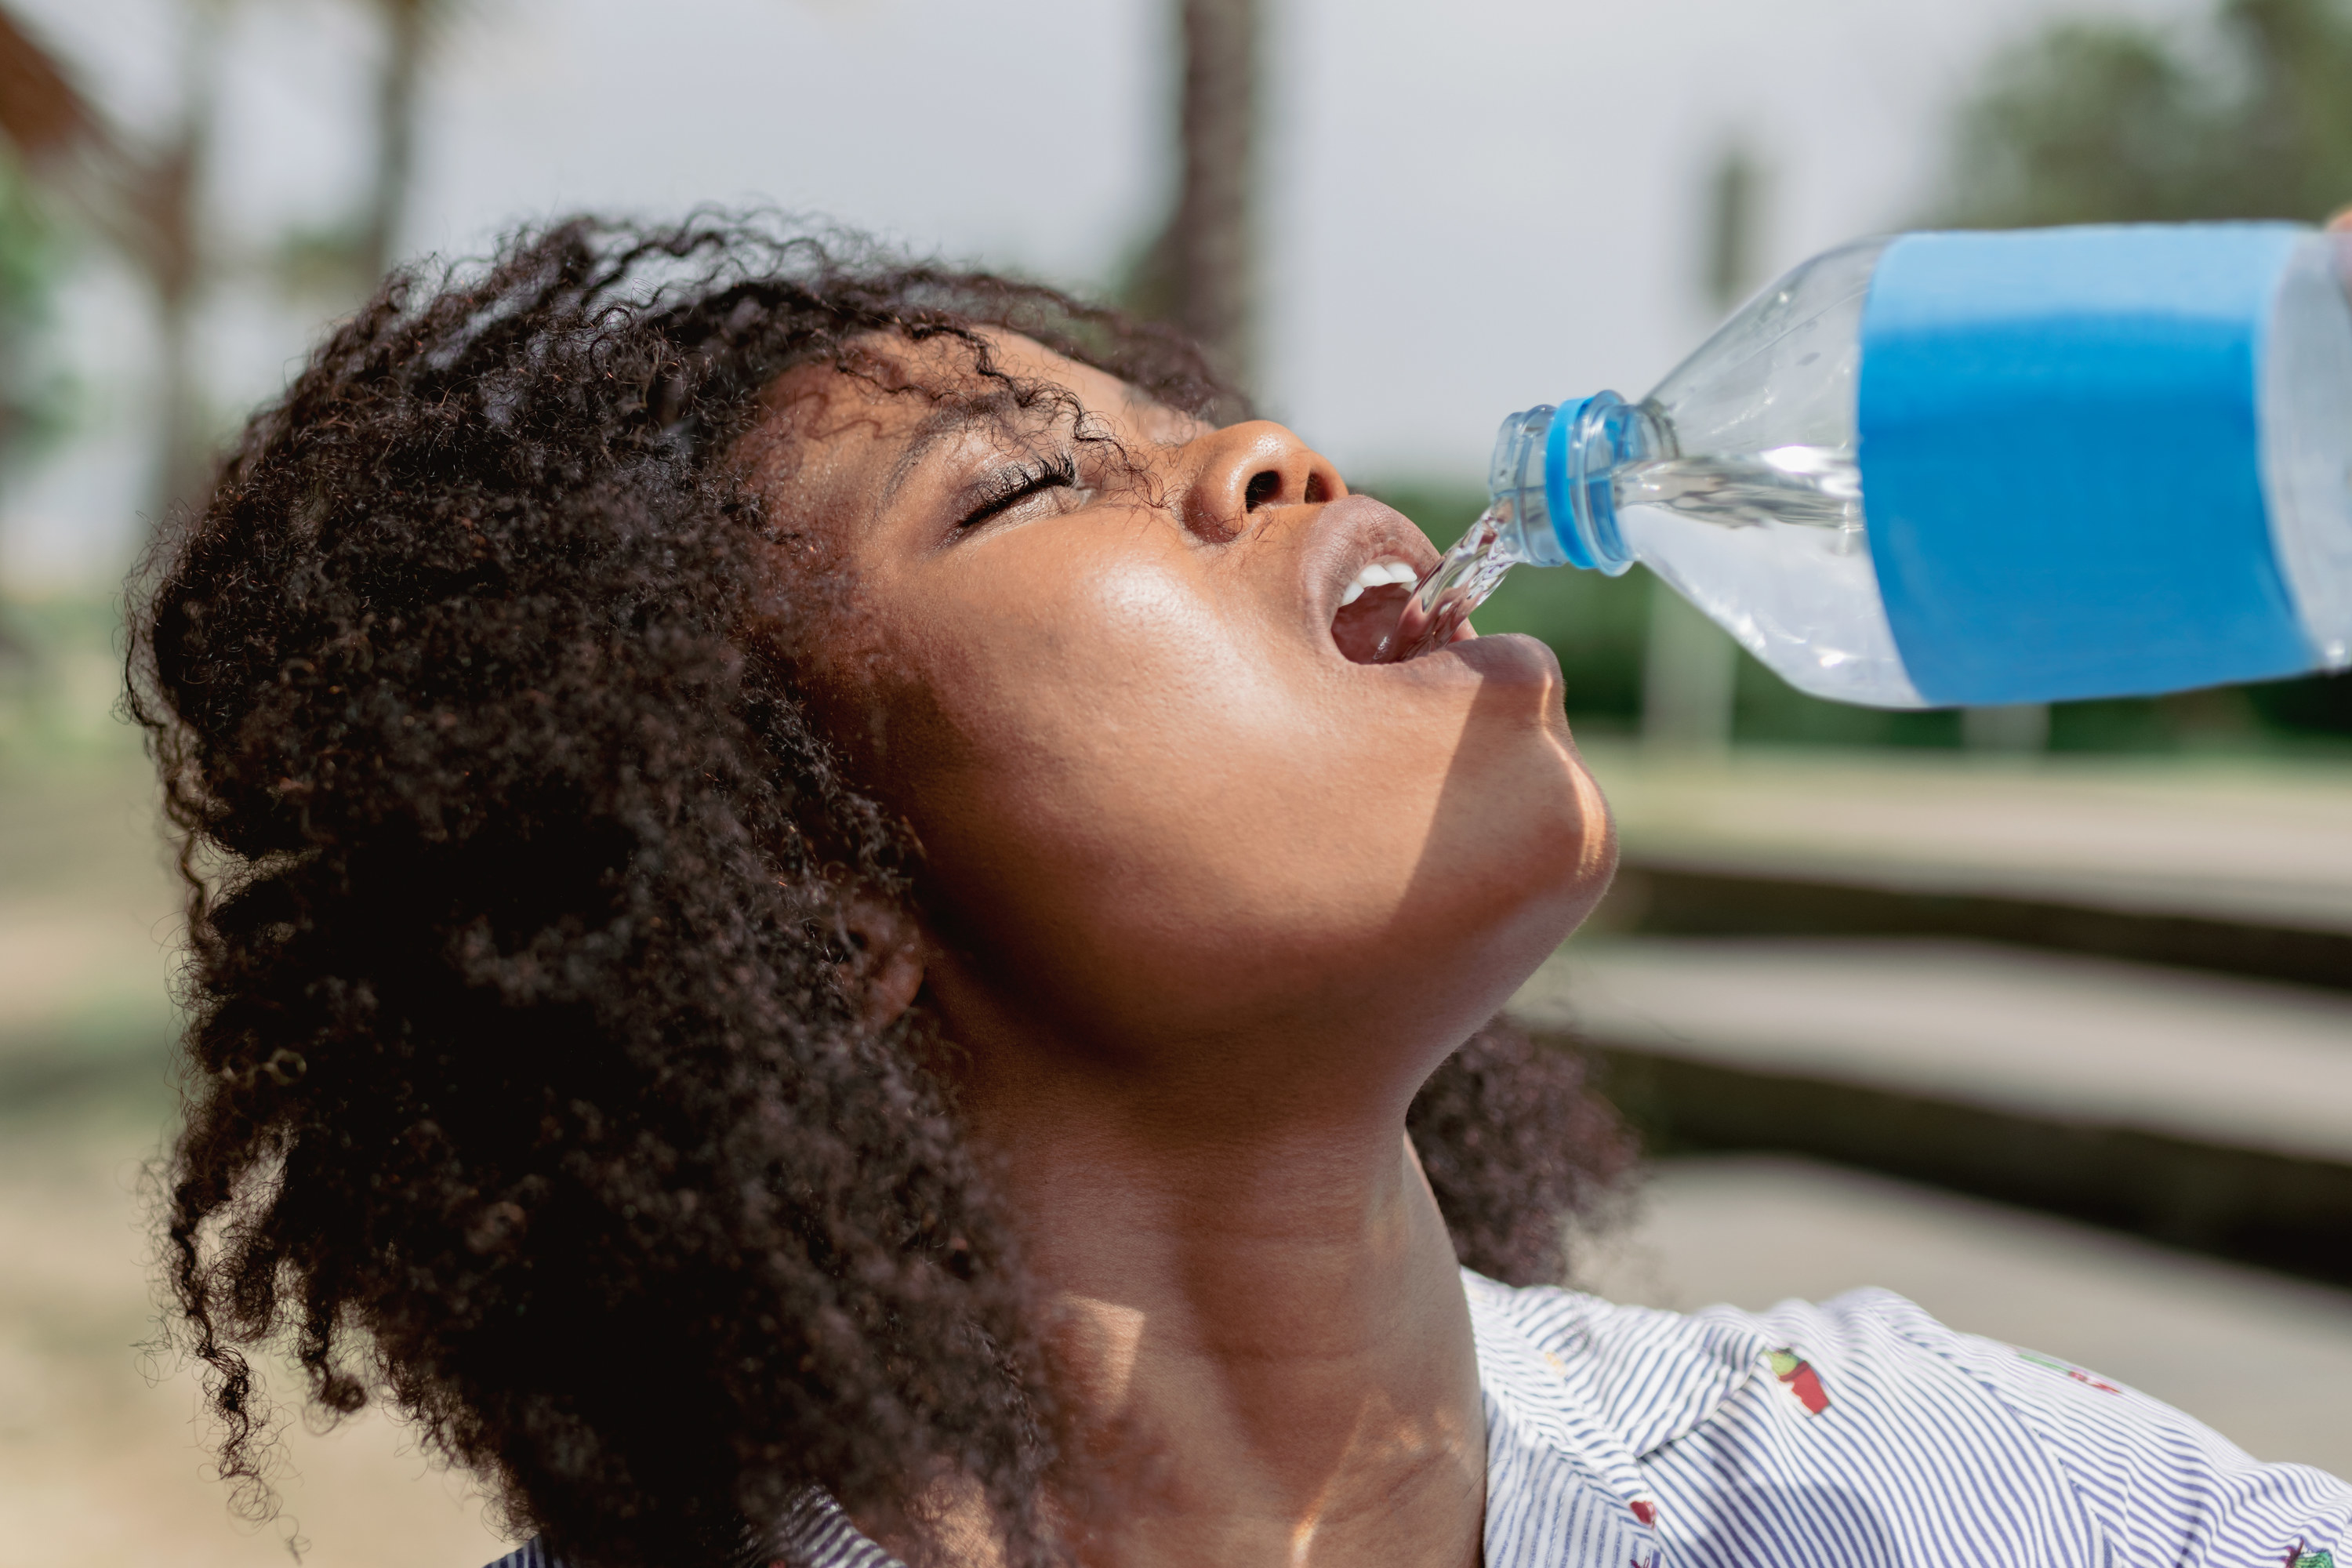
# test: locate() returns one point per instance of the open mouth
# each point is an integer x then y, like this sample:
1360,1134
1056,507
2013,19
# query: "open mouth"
1370,609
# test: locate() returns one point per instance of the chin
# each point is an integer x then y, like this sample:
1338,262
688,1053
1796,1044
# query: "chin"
1550,907
1514,887
1553,866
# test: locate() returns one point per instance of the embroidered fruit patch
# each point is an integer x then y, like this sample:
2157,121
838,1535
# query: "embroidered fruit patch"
2296,1557
2079,1376
1802,1379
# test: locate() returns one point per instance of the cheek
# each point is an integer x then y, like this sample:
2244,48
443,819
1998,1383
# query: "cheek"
1118,725
1122,773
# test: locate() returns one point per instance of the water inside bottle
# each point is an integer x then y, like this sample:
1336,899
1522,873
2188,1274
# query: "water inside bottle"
1806,486
1801,487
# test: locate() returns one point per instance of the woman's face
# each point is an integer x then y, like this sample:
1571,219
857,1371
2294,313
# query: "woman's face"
1096,653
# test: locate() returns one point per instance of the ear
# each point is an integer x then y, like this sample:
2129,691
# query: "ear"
885,967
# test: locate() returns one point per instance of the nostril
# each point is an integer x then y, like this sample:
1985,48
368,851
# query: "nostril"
1316,491
1262,488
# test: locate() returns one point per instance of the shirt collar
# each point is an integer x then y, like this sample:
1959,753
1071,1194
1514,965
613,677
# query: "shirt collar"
1576,1392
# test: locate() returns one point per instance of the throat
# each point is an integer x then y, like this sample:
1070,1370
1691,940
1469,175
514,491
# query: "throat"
1246,1387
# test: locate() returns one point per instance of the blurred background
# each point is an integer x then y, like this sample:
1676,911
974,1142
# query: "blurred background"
2042,1017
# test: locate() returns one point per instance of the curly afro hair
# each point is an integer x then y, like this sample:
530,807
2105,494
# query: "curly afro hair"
523,1087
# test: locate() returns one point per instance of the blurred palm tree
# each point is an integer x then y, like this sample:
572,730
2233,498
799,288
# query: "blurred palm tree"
348,256
143,197
2118,122
1200,270
408,27
139,199
28,267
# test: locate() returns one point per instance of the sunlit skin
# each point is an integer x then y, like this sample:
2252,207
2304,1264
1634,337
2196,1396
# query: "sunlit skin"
1205,901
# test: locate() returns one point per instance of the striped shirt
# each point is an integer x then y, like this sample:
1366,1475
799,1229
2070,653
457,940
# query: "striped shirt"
1860,1433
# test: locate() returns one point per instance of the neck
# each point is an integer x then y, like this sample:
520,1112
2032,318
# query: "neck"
1258,1324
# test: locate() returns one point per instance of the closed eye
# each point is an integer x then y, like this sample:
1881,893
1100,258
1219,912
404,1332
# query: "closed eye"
1008,486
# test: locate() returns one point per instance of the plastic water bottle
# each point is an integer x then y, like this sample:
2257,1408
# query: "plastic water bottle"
1976,469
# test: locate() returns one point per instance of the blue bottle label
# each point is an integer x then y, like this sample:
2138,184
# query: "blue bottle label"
2060,461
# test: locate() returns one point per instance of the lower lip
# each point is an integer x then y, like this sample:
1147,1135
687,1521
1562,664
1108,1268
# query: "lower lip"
1507,657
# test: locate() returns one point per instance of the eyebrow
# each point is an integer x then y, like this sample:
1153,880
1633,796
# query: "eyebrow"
935,427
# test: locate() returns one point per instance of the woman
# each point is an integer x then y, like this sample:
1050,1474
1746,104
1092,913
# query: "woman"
814,940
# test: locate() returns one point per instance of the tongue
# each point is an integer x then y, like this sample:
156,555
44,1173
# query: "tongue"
1362,629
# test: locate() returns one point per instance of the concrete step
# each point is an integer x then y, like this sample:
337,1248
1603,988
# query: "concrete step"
2235,867
2210,1111
2241,1063
2267,842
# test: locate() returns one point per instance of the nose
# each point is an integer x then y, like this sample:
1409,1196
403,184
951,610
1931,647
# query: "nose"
1242,469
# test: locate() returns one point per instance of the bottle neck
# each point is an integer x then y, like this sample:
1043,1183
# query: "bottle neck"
1552,481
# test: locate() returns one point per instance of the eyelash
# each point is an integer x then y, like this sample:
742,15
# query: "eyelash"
1008,488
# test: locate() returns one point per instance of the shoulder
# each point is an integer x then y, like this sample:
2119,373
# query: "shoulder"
1865,1402
2163,1486
814,1533
530,1555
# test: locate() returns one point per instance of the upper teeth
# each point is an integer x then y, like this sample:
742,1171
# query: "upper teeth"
1379,574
